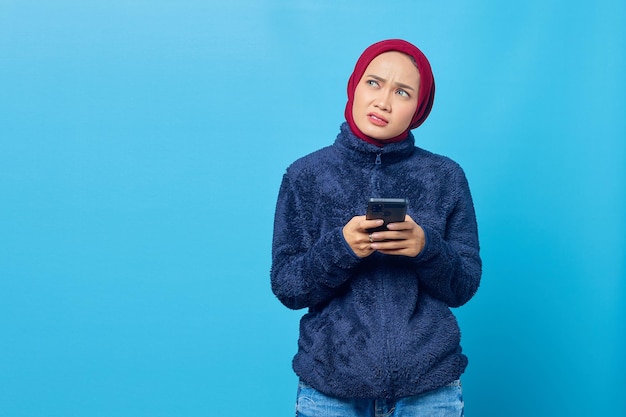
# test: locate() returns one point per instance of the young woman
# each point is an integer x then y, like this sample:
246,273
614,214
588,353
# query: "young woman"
379,337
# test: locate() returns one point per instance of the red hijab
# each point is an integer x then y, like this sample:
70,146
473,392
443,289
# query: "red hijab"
426,94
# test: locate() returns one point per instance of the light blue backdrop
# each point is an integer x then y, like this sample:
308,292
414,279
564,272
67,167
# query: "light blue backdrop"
142,144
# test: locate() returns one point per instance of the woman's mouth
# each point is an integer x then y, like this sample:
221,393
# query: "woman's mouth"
377,119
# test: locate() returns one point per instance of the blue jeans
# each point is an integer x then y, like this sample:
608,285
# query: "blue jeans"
443,402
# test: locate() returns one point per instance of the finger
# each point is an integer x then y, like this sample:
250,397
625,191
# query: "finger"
371,224
400,226
408,223
389,245
390,235
394,252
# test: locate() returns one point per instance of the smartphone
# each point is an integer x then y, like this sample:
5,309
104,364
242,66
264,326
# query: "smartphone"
391,210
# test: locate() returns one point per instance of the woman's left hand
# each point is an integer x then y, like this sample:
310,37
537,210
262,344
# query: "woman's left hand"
404,238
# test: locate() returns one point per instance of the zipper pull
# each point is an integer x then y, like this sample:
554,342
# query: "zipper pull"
378,160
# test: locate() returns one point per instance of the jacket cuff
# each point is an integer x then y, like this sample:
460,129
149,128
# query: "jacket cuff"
336,258
430,247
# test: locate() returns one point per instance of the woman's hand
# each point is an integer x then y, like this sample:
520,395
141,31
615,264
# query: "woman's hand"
404,238
356,234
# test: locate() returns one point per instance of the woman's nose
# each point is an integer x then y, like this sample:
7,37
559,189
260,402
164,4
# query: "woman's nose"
382,101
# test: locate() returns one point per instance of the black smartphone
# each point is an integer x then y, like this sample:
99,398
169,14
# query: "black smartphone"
391,210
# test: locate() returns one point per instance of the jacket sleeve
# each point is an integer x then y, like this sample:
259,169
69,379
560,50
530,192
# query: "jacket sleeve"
308,268
449,266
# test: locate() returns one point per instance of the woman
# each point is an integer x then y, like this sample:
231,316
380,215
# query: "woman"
379,335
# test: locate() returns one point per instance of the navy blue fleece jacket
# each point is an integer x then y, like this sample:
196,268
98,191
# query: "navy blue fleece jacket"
381,326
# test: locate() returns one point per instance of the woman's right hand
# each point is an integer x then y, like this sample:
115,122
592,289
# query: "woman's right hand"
356,234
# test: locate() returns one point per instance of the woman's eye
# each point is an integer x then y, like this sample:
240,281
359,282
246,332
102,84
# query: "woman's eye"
373,83
403,93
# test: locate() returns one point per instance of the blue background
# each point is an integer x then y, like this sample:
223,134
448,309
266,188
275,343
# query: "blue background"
142,144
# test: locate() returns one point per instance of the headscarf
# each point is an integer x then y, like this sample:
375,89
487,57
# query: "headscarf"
426,93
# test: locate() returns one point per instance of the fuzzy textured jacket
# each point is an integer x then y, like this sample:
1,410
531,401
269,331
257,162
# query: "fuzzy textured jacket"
381,326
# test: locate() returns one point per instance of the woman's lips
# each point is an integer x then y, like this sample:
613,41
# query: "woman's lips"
377,119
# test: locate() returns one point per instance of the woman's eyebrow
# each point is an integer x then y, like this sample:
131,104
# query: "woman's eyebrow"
397,84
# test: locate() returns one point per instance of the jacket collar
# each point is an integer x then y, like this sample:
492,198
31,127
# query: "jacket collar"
358,150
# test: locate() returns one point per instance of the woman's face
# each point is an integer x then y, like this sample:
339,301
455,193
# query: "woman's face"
385,98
